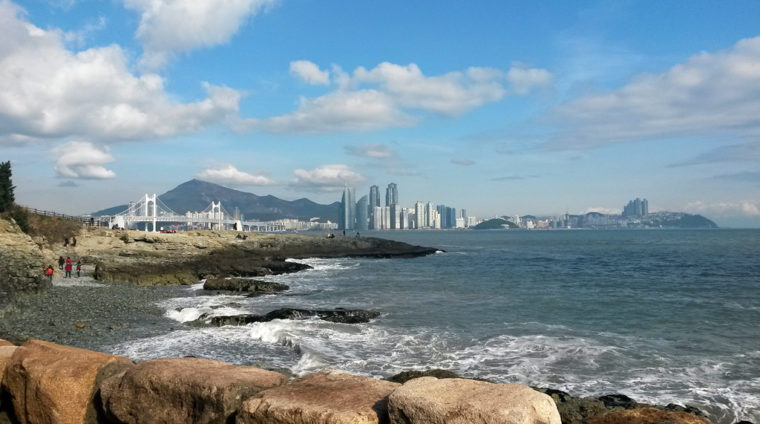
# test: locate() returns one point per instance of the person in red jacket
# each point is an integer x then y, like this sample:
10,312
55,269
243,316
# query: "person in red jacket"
68,267
49,272
79,269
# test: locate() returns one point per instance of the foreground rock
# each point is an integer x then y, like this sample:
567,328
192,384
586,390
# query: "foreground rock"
243,285
182,390
50,383
460,401
328,397
338,315
21,266
646,416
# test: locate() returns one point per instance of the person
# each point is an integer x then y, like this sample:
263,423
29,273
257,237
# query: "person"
68,267
49,273
74,242
60,262
79,268
66,242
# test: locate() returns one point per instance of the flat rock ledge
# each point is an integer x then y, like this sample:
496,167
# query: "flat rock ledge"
182,390
338,315
329,397
243,285
50,383
460,401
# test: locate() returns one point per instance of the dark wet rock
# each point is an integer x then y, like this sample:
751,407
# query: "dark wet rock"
405,376
243,285
579,410
618,401
339,315
574,410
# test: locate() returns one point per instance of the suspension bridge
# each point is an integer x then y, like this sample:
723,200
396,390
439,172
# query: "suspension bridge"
151,211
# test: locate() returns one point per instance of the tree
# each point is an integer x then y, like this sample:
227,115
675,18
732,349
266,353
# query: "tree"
6,187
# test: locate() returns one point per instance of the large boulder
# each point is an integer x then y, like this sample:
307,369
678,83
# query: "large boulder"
182,390
647,416
327,397
50,383
459,401
21,266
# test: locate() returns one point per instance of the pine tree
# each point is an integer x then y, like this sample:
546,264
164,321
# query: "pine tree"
6,187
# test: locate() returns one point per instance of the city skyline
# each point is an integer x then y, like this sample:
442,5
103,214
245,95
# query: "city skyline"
500,107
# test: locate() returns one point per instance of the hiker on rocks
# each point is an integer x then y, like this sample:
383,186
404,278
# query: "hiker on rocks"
73,242
68,267
60,262
49,273
79,268
66,242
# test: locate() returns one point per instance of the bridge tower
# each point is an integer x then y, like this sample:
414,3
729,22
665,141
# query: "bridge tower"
216,213
150,206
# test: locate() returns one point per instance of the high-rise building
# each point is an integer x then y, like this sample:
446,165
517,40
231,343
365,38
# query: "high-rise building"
420,218
374,196
391,194
430,214
636,208
348,209
362,214
377,218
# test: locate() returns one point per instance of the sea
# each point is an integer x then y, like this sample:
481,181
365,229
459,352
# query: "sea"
662,316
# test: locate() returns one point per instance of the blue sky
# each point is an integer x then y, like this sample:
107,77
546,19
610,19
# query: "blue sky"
496,107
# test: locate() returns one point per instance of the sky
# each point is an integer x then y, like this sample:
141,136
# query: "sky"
498,107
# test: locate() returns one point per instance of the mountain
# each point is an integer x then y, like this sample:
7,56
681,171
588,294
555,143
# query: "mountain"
196,195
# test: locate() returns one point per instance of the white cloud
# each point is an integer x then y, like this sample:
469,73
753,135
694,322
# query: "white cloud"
374,151
168,27
49,92
309,72
710,93
523,80
79,159
326,178
352,111
450,94
735,208
386,96
229,174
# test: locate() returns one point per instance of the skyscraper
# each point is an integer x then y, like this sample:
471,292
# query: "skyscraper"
374,196
362,214
348,209
391,195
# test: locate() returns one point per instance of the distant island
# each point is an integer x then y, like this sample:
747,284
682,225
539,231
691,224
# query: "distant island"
596,220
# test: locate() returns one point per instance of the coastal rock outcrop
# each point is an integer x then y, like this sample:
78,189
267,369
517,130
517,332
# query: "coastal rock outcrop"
646,416
338,315
243,285
327,397
182,390
460,401
183,258
51,383
21,265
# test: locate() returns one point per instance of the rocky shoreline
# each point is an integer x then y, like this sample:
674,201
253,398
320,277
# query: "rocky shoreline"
153,265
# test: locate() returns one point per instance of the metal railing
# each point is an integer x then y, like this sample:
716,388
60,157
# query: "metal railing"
89,220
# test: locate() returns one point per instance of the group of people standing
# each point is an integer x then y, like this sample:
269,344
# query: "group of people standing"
65,265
